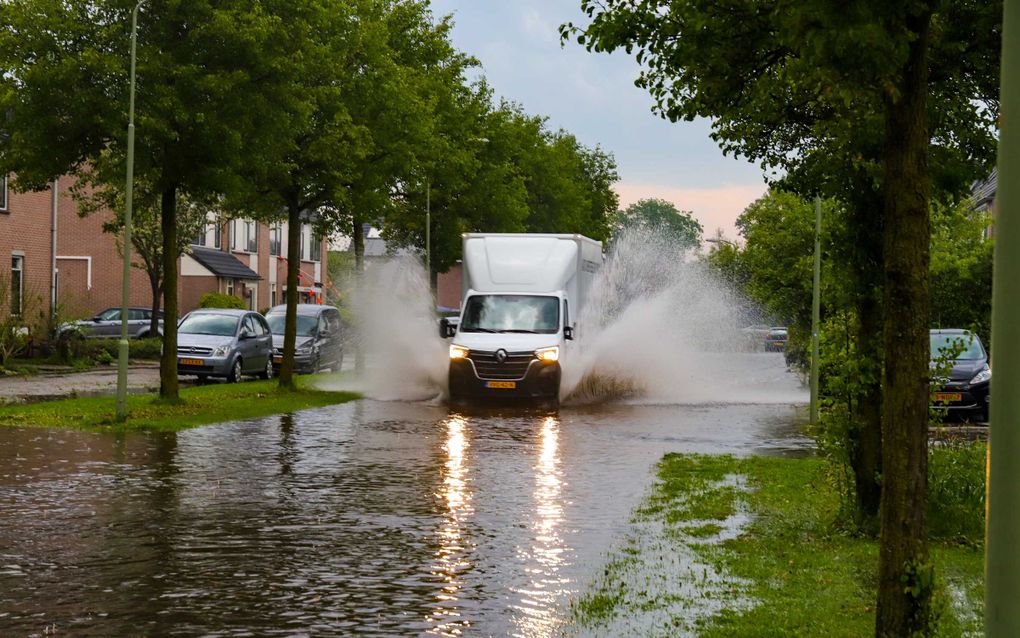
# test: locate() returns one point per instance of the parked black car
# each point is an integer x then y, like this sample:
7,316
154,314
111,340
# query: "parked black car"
106,324
965,390
320,337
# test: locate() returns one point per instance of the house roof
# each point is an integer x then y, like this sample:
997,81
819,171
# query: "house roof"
222,264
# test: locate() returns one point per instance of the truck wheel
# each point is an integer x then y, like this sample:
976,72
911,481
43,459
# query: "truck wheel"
235,371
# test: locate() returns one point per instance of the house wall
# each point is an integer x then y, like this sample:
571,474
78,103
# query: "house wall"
25,231
448,287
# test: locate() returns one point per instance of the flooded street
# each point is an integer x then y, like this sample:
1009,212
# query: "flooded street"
368,518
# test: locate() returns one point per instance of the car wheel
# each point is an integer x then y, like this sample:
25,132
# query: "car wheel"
268,372
235,371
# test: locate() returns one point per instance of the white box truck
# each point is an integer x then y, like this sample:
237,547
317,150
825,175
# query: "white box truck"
523,294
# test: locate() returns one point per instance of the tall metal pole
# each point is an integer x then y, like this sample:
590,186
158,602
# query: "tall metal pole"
1002,560
122,359
428,231
816,304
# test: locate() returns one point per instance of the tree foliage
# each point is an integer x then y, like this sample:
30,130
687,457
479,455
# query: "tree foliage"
664,219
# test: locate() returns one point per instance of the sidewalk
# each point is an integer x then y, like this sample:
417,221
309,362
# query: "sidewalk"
52,383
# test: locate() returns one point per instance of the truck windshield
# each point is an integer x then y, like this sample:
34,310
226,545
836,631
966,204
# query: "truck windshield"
511,313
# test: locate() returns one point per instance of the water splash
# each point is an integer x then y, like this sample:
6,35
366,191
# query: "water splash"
662,328
659,328
406,360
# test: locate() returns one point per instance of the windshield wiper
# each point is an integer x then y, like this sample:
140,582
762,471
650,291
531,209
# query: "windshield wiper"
522,331
480,330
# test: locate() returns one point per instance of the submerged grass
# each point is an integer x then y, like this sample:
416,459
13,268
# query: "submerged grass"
786,567
200,405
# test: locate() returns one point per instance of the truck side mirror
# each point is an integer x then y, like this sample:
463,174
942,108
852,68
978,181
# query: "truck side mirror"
568,333
445,329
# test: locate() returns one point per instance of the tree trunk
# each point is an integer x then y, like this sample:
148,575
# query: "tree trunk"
867,453
168,386
293,267
905,573
358,238
866,263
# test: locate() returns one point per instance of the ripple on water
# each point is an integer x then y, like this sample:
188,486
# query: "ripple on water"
367,518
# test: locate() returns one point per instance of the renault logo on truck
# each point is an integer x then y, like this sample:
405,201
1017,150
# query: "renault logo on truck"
501,356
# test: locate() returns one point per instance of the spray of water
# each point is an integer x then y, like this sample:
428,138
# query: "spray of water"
662,328
658,328
405,357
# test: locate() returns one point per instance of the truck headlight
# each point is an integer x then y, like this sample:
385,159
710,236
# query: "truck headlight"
458,352
548,355
983,375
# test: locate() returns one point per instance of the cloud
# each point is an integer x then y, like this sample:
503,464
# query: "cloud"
716,207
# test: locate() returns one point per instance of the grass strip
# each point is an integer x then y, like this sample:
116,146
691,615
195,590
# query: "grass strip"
199,405
784,570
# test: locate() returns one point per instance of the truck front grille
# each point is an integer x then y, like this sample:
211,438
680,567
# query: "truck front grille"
488,367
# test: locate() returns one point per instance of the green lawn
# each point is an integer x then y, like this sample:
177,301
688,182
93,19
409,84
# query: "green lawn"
747,548
200,405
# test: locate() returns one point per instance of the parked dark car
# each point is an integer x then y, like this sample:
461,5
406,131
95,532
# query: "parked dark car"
965,391
320,337
224,343
775,340
106,324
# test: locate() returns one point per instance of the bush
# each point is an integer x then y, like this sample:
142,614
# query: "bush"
220,300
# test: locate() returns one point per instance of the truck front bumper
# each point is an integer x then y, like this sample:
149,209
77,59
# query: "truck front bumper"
540,382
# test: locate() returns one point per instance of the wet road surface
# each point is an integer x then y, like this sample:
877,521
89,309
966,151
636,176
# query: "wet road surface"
369,518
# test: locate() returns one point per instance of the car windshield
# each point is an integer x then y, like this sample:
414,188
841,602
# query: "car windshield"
305,324
511,313
971,345
203,324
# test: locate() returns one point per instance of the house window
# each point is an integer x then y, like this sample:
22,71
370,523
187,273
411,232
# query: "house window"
316,247
17,284
244,236
274,240
230,287
3,193
272,295
216,234
199,239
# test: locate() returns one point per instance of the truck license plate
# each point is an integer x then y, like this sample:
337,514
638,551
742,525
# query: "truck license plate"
501,385
192,362
940,397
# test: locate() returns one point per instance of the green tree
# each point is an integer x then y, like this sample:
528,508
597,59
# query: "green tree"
961,269
663,218
95,197
209,101
781,80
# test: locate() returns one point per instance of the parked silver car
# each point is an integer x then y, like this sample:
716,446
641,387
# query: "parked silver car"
106,324
320,338
224,343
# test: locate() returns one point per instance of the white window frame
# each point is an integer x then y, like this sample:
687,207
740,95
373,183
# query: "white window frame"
4,203
276,240
244,236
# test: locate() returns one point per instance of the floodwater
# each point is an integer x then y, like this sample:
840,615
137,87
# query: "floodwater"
370,518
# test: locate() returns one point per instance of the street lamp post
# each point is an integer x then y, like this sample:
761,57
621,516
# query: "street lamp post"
122,359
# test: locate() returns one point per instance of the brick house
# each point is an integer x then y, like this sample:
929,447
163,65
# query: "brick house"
51,257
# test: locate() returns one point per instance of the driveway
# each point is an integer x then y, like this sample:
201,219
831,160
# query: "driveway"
54,384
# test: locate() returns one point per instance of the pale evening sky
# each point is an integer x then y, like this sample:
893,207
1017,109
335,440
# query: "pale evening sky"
593,96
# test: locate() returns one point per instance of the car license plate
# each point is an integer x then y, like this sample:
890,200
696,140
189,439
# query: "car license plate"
501,385
946,397
192,362
277,359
